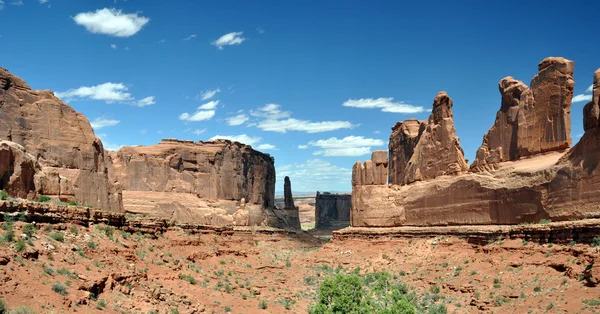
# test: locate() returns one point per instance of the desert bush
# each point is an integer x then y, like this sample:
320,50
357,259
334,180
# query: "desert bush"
58,236
263,305
4,195
2,306
189,278
43,198
72,203
59,288
20,245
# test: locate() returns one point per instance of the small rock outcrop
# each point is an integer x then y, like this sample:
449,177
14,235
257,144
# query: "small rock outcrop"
62,141
287,194
332,211
373,171
438,151
531,120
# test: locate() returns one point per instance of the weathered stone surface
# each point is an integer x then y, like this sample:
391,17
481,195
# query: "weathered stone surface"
403,140
553,185
358,173
332,211
18,170
380,171
62,141
287,194
438,150
531,120
199,182
591,111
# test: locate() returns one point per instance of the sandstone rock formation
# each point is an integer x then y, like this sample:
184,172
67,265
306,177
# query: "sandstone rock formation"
332,211
531,120
218,182
548,184
403,140
287,194
438,150
62,142
373,171
18,170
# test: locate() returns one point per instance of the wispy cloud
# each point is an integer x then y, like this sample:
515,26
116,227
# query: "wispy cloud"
302,146
582,97
242,138
266,147
233,38
44,1
260,30
590,89
17,3
100,123
347,146
143,131
385,104
203,113
111,22
316,174
237,120
198,131
108,92
113,46
276,120
208,94
192,36
1,4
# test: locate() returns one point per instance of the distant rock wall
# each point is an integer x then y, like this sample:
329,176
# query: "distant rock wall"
332,211
62,142
521,174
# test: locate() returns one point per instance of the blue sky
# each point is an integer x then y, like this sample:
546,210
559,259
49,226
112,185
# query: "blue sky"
317,84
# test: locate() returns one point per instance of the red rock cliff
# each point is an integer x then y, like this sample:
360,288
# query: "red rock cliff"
61,140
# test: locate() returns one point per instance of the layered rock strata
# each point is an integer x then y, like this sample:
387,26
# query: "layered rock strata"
332,211
62,142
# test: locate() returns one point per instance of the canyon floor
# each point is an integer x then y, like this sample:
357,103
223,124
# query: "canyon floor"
59,268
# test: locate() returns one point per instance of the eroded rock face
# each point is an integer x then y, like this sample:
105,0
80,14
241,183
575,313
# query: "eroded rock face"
218,183
62,141
332,211
405,136
531,120
18,170
287,194
438,151
547,185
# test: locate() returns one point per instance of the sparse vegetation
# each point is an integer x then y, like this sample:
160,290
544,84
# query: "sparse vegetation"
4,196
43,198
59,288
58,236
189,278
263,305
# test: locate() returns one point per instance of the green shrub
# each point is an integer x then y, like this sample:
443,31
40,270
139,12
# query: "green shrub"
537,289
595,241
545,221
29,230
4,196
262,305
3,308
58,236
73,203
21,310
20,246
190,279
43,198
59,288
434,289
101,304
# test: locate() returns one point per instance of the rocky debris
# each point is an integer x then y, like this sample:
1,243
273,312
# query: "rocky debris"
531,120
405,136
62,141
287,194
438,150
18,170
332,211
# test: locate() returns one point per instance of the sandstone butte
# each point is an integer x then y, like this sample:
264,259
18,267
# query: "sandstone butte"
48,148
524,170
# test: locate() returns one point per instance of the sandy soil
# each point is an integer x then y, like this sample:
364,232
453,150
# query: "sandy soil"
133,273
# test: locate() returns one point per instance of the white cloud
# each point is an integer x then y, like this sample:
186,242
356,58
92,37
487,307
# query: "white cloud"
204,112
237,120
18,3
303,146
111,22
386,105
100,123
1,4
582,97
347,146
108,92
113,46
233,38
266,147
590,89
43,1
242,138
143,131
198,131
145,102
162,41
316,175
276,120
190,37
376,132
260,30
111,147
208,94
